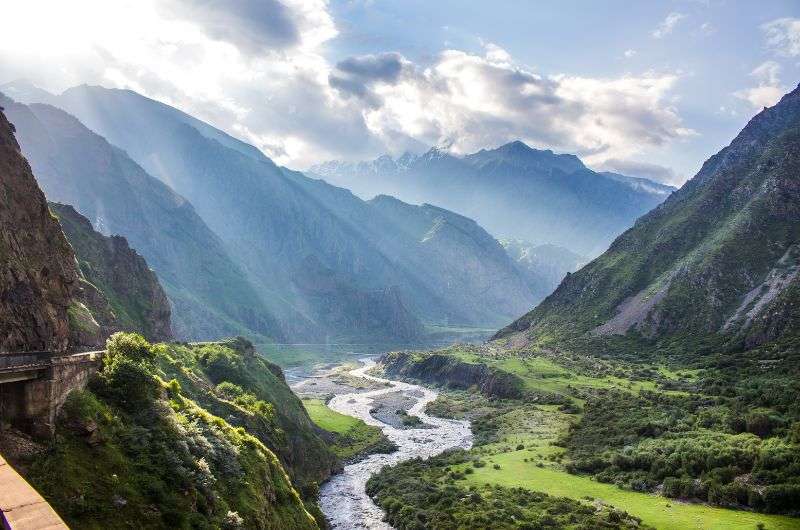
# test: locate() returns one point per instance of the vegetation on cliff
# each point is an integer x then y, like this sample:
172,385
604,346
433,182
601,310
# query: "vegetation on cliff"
181,436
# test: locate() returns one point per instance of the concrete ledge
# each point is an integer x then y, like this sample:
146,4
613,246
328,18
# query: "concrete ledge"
21,506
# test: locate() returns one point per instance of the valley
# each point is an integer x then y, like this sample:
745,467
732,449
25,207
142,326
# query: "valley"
357,265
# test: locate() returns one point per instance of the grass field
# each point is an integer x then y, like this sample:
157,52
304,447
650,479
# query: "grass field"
654,510
351,436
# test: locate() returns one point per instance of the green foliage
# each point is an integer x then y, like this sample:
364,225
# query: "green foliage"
132,346
231,381
147,447
424,494
695,447
127,374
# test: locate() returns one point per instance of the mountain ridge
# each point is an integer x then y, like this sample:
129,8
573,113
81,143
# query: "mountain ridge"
514,191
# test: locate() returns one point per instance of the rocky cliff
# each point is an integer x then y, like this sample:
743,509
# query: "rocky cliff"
448,370
39,279
130,289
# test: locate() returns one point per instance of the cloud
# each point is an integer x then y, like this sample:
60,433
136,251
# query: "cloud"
647,170
253,25
706,28
280,92
355,76
272,90
629,53
469,101
496,54
783,36
257,26
667,25
768,90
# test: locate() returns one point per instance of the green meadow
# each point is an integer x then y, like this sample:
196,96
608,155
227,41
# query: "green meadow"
349,437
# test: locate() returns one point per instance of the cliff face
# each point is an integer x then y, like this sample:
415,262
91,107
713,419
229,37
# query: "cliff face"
39,280
447,370
130,298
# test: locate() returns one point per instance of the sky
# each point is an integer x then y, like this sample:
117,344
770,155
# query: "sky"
648,89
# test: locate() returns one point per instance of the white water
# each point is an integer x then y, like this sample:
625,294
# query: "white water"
343,498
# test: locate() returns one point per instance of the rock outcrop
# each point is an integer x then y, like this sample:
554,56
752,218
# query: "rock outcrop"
442,369
124,293
39,279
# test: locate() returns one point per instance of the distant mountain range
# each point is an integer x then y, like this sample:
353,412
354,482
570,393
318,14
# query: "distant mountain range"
514,191
244,246
716,266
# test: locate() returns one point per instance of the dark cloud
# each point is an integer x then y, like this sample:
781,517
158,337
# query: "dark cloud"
384,67
355,75
254,26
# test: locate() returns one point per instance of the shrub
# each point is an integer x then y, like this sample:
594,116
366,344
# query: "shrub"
129,384
130,345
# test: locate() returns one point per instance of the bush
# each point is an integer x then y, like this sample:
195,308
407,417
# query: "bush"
782,498
129,384
130,345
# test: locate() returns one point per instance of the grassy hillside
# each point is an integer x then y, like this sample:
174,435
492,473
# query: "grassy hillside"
179,436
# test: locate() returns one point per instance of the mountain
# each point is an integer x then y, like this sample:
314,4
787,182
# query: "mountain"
543,266
464,264
135,298
514,191
718,261
296,237
209,293
40,289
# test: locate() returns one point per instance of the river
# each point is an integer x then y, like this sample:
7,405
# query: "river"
343,498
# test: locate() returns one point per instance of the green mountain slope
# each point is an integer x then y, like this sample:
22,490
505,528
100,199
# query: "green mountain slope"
717,261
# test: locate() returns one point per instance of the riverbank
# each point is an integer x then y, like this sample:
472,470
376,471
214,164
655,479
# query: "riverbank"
343,498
